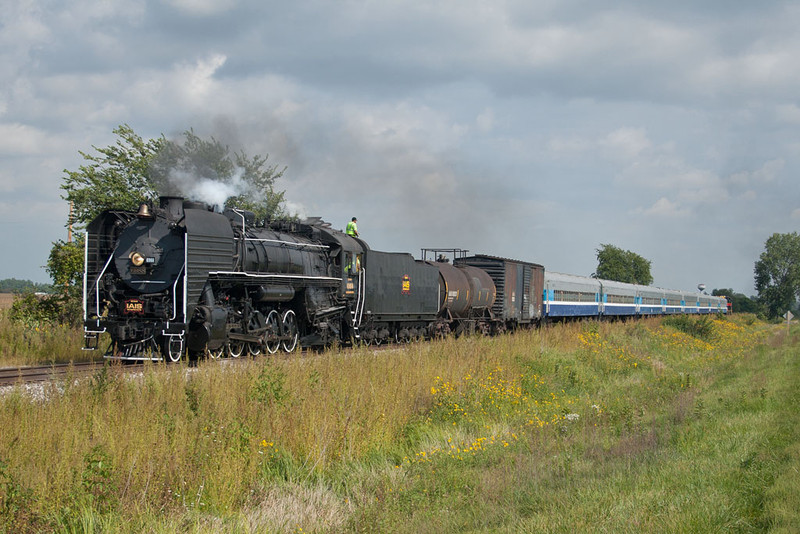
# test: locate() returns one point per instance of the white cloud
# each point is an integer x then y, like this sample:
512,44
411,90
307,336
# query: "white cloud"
766,174
197,79
626,143
18,139
789,113
203,7
665,208
486,120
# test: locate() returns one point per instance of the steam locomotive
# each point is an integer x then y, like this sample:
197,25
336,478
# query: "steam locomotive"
181,280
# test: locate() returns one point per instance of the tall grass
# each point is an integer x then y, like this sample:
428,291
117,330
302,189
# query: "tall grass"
36,343
576,427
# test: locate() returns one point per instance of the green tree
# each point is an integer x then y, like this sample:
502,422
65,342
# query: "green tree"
118,177
740,303
12,285
134,170
65,264
245,182
619,265
63,305
777,273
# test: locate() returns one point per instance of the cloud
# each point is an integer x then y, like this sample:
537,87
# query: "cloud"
626,143
789,113
196,80
766,174
486,120
19,139
665,208
203,8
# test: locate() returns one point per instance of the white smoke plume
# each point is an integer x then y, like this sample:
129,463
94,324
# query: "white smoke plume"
214,192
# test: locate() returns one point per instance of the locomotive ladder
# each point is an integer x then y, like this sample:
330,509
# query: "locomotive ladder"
357,314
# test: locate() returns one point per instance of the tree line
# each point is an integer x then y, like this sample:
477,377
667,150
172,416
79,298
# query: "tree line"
12,285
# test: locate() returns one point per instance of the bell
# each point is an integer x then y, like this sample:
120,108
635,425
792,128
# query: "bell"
144,212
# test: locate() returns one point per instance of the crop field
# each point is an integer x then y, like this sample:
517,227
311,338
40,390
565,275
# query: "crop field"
6,299
673,425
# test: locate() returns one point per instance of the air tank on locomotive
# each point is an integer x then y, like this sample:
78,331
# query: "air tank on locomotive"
464,290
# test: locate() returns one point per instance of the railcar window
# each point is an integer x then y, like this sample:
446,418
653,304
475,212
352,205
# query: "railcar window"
673,302
651,300
352,264
573,296
620,299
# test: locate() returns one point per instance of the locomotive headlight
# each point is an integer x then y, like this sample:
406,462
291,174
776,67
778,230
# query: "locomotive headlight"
137,259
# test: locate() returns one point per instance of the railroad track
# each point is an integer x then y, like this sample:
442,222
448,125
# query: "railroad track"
40,373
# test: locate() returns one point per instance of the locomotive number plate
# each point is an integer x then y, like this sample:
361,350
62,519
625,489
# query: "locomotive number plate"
134,306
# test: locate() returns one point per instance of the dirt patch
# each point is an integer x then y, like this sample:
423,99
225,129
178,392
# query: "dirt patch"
6,299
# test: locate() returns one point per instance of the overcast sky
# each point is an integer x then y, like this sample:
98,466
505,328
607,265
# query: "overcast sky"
532,129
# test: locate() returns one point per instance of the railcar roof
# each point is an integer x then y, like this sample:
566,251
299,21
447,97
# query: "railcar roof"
500,258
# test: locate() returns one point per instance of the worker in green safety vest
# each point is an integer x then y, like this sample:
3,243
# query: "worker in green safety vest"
352,228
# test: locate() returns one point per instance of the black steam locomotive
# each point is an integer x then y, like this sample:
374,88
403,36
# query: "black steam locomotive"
180,279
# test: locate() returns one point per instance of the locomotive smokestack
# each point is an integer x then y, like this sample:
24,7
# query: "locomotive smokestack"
173,206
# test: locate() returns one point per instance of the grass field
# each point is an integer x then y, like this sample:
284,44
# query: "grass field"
34,343
584,427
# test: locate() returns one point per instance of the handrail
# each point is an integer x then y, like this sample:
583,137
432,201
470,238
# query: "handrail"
361,298
97,284
175,297
289,243
85,274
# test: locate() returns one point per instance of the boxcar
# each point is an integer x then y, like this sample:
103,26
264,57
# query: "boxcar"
519,287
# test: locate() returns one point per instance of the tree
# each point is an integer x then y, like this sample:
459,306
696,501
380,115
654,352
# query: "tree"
63,305
206,170
777,273
12,285
613,263
65,264
740,303
132,171
116,178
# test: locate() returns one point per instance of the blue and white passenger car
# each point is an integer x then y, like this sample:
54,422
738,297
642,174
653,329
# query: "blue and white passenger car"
568,295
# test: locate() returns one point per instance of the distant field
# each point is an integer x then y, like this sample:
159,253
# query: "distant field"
5,300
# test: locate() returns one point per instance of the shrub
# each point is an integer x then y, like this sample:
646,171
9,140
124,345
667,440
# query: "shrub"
701,327
34,310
